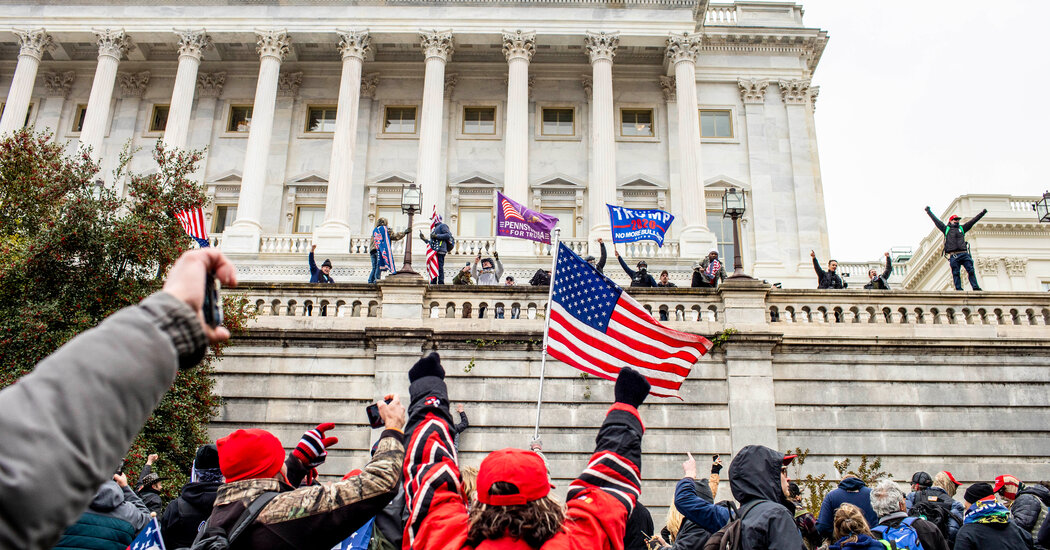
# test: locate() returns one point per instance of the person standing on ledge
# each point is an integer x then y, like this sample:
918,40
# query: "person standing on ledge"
955,247
829,278
878,282
641,277
321,275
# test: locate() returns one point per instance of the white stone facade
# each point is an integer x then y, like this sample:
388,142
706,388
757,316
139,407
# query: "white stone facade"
468,86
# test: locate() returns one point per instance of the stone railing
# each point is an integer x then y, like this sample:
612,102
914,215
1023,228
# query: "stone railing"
724,14
858,271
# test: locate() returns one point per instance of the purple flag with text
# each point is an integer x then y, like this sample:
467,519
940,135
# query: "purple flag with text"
515,220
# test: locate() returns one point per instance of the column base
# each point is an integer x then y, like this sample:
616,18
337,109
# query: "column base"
332,238
243,236
696,241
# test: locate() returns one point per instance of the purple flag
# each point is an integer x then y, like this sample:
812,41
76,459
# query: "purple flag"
515,220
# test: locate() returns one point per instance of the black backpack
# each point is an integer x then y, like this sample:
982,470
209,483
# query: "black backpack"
933,508
731,537
216,538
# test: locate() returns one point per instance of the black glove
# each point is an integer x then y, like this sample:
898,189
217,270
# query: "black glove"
631,387
927,208
427,366
716,468
495,254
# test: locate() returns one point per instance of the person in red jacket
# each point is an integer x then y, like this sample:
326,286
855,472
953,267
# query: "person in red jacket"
514,508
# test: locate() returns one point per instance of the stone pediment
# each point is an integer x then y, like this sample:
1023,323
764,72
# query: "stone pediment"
476,179
558,181
309,178
722,181
229,176
640,182
393,178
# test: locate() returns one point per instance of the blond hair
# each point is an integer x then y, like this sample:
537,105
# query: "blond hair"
944,482
850,522
674,521
469,475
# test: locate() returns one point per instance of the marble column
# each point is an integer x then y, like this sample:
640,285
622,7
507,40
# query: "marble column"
191,45
334,234
518,47
33,44
796,98
112,45
769,254
244,234
601,47
437,49
695,238
209,88
358,194
57,87
131,88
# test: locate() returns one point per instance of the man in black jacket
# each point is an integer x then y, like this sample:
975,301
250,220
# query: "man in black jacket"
441,242
150,486
878,282
955,246
642,277
600,263
829,278
758,479
184,515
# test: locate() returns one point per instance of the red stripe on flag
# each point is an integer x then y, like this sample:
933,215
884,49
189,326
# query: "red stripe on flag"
638,355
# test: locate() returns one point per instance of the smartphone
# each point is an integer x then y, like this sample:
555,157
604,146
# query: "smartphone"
123,464
212,306
372,411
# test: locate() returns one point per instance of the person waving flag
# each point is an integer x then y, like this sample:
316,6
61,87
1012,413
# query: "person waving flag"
432,257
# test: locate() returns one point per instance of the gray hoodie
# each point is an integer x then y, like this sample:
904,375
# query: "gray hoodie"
487,277
115,501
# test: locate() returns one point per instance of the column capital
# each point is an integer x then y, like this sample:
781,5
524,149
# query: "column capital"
210,84
814,91
133,84
669,87
273,43
354,44
587,82
288,84
193,43
794,91
34,42
602,45
59,84
369,84
753,90
451,80
683,47
437,44
519,44
113,43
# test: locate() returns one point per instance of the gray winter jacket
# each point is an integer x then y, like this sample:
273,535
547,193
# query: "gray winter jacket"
115,501
77,412
770,525
482,277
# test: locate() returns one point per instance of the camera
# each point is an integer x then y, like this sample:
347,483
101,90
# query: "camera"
372,411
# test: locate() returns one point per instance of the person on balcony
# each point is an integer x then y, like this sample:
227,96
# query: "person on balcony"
463,277
708,273
829,278
665,280
490,270
600,263
321,275
376,274
640,278
878,282
955,247
441,242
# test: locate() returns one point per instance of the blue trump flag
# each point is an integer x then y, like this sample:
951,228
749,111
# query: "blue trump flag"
381,240
634,224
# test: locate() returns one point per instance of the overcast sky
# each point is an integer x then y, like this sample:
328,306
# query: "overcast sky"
921,102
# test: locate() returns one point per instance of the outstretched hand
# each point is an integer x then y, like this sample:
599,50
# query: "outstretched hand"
689,466
631,387
186,282
617,252
812,254
312,449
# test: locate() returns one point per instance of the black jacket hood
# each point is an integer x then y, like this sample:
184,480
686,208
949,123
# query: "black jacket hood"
1039,491
200,494
755,474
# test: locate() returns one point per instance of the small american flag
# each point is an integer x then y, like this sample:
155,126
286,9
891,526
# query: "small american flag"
511,213
597,328
432,257
192,221
149,538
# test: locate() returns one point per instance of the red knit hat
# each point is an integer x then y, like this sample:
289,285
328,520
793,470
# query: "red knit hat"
524,469
250,454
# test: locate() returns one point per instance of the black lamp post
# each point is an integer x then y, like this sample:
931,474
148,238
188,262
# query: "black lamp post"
411,202
733,206
1042,207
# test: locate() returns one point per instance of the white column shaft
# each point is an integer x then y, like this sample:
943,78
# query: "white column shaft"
428,169
695,212
603,132
516,167
249,204
20,93
178,126
97,116
337,204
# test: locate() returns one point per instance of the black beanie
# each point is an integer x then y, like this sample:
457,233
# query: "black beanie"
922,479
977,491
207,457
327,262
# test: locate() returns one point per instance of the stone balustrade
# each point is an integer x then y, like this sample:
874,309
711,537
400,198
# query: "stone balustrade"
721,14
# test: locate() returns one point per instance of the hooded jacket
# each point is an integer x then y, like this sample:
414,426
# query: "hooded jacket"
853,491
754,474
955,516
112,520
954,239
183,516
690,501
690,535
487,278
988,525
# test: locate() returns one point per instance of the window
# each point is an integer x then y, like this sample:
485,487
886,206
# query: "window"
558,122
400,120
159,120
475,222
716,123
1045,286
566,220
320,119
479,120
723,230
240,118
29,111
224,216
396,220
636,122
307,218
78,118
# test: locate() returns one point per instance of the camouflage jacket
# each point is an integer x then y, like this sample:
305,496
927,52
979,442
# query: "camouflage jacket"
315,516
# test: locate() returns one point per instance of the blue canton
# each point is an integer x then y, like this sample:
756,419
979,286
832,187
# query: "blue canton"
584,293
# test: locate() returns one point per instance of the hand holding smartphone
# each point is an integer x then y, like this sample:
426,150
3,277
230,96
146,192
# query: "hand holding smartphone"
372,411
212,306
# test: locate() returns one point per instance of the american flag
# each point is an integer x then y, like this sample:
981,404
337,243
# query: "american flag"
597,328
509,212
149,538
432,257
192,221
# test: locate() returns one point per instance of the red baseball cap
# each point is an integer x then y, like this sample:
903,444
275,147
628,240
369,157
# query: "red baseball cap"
523,469
954,217
789,458
250,454
952,478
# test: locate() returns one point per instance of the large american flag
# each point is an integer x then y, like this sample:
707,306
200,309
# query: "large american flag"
597,328
192,221
149,538
432,257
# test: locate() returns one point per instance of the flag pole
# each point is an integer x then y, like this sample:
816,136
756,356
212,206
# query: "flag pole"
547,326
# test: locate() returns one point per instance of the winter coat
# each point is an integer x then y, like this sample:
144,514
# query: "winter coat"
1043,538
639,526
640,278
987,524
955,516
853,491
596,508
879,282
487,278
112,520
540,278
696,504
462,278
1028,507
313,516
863,542
690,535
827,279
955,234
108,378
930,536
668,284
441,239
720,275
183,516
316,275
149,497
754,475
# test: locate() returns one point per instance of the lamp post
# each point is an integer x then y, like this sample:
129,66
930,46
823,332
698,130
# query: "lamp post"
1042,207
411,202
733,206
